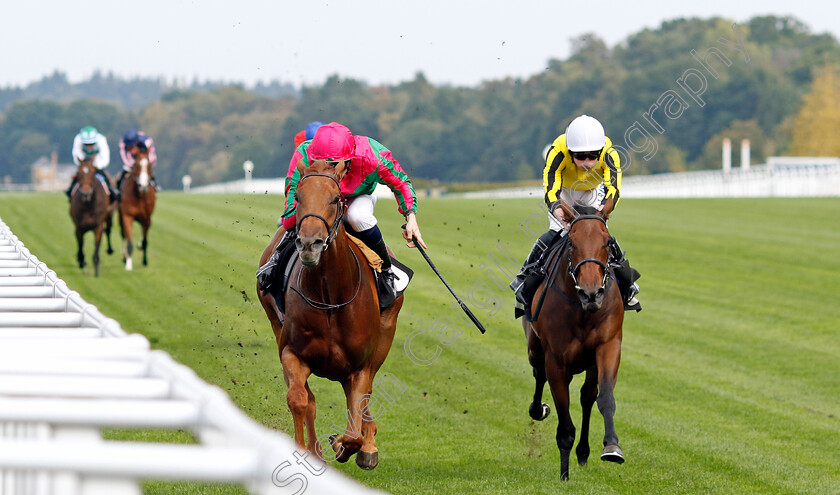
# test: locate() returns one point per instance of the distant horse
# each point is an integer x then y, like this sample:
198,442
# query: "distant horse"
333,325
137,202
91,209
578,330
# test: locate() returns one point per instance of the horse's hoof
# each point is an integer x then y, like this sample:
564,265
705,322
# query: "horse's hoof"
613,453
367,460
340,457
110,251
539,414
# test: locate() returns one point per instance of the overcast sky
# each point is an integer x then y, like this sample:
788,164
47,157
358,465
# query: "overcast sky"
459,42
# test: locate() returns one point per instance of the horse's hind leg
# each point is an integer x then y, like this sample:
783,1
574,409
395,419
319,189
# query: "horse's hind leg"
538,410
296,372
607,357
588,393
144,244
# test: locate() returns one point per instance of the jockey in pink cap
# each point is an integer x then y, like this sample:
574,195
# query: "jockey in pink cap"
370,164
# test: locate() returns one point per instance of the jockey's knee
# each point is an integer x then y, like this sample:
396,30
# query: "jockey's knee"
360,222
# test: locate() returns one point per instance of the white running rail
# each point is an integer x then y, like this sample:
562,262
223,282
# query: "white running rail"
67,372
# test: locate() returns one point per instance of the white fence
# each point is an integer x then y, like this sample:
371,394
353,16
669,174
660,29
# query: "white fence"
781,176
67,372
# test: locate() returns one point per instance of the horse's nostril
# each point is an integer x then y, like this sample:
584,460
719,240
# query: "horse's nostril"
298,244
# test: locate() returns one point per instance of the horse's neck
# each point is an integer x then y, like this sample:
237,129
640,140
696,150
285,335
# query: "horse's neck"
562,279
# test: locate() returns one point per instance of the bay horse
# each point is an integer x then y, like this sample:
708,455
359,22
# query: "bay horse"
137,202
578,330
333,327
91,209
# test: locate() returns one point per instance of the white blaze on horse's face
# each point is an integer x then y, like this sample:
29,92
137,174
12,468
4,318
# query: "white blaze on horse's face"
143,179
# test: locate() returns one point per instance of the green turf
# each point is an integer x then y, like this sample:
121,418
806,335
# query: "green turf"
729,380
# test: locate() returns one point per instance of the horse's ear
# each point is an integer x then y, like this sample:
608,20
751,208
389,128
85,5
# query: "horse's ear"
341,169
301,168
607,208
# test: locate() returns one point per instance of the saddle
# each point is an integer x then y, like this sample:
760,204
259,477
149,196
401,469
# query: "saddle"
273,277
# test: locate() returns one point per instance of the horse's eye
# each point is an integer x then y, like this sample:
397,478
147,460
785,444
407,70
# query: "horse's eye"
336,200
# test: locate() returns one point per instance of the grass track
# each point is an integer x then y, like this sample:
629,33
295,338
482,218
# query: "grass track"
729,381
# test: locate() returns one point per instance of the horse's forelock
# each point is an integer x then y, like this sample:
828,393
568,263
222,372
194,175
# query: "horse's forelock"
586,210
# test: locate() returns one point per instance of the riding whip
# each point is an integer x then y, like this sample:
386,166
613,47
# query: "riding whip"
434,268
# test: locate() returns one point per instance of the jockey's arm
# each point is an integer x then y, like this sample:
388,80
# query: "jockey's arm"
412,230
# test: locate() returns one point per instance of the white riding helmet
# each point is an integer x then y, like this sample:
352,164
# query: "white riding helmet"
585,133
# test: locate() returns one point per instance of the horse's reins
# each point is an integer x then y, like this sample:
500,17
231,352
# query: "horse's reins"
574,271
332,231
605,283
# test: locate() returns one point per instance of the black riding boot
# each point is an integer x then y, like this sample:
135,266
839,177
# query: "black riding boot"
69,190
269,276
373,239
524,284
625,275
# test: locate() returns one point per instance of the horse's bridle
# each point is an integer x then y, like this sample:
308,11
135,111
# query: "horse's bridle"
332,231
574,271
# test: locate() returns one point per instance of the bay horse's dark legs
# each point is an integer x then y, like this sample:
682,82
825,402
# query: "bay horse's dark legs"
80,254
608,356
296,372
538,410
558,380
97,240
588,394
109,222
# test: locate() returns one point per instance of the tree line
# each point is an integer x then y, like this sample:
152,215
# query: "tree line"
667,96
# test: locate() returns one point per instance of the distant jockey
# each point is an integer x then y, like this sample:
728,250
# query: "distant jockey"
308,133
90,143
132,143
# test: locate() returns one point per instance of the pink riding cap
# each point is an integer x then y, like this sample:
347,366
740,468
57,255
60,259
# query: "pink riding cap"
332,141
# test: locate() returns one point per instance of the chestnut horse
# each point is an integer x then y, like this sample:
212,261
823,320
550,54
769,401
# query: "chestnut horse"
91,209
333,326
137,202
578,330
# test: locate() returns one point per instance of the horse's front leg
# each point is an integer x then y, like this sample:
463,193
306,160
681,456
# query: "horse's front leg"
128,248
357,389
538,410
80,241
608,357
588,393
98,239
559,379
109,222
296,372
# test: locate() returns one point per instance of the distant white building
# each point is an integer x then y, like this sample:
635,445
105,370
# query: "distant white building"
49,175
